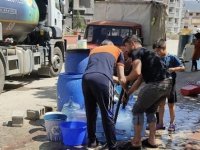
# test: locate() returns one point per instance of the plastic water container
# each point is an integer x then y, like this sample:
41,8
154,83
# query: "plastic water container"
52,122
25,57
73,112
74,133
69,87
82,43
76,61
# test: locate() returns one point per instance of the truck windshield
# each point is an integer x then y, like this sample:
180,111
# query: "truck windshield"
96,34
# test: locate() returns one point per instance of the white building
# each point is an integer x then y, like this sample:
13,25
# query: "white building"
175,16
86,7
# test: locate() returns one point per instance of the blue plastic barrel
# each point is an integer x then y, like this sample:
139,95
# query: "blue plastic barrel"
74,133
69,88
76,61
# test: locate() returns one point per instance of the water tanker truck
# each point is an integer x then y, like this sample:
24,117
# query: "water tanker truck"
31,37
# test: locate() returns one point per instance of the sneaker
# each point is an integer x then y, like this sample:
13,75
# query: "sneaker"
171,127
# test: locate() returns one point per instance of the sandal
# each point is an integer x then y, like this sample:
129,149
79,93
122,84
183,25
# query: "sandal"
146,143
129,146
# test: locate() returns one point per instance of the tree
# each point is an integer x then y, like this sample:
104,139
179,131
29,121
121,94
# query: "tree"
78,21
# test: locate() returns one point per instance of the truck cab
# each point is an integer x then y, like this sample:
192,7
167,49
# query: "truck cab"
114,31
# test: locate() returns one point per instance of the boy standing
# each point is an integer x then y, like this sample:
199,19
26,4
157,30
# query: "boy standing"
173,65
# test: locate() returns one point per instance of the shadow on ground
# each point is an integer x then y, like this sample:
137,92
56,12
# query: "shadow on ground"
48,92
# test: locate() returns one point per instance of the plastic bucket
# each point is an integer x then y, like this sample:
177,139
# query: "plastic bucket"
82,44
69,87
76,61
52,122
74,133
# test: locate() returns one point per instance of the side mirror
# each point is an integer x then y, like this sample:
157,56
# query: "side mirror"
64,7
63,2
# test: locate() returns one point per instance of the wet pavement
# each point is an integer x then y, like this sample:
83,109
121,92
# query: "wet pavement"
32,135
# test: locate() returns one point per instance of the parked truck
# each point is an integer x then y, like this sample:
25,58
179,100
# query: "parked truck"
31,37
116,19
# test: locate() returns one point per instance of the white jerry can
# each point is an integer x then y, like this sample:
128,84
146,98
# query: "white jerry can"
28,61
20,54
25,60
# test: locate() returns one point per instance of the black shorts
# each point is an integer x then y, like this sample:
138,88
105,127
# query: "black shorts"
172,98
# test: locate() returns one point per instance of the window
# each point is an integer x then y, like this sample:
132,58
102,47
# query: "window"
57,4
197,14
90,34
190,14
171,10
85,3
171,20
96,34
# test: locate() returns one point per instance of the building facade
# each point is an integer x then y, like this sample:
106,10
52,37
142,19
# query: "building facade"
175,11
175,16
192,15
86,7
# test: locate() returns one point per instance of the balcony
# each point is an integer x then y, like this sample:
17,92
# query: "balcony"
170,24
171,14
172,4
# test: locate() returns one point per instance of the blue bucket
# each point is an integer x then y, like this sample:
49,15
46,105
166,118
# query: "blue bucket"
52,122
76,61
69,87
74,133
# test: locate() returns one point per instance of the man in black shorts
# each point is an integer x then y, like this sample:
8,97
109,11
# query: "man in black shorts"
147,67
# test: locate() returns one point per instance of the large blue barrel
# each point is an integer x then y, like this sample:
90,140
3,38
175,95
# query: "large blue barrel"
76,61
69,88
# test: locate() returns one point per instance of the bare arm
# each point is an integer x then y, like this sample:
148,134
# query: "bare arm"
115,79
177,69
121,76
135,85
136,70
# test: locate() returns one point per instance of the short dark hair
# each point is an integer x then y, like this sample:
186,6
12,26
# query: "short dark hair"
133,38
161,43
197,35
106,42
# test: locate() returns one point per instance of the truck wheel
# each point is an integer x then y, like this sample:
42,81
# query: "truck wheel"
57,62
2,76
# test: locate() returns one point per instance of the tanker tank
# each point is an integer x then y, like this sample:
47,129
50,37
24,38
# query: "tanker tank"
18,18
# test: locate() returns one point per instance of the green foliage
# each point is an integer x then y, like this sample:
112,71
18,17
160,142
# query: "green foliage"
78,21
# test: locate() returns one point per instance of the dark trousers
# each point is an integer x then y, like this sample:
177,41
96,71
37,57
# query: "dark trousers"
194,64
98,90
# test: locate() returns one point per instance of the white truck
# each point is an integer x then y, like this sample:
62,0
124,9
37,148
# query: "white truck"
31,37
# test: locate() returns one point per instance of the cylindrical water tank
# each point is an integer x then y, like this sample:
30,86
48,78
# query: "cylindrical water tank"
18,18
76,61
69,88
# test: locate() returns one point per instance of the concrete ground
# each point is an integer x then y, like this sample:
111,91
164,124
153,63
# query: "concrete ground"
33,92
